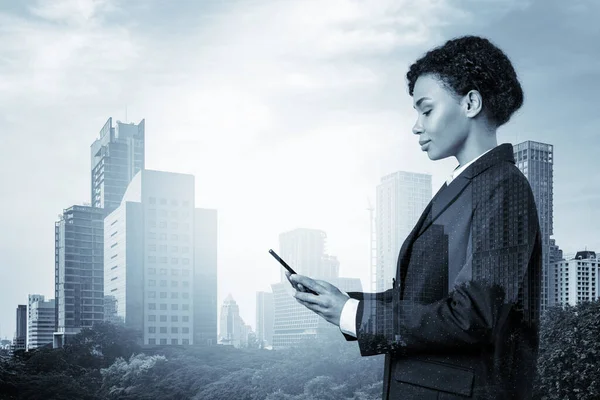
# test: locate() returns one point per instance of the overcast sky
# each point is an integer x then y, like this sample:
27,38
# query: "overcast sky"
288,113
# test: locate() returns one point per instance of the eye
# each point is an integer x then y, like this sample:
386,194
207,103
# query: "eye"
426,112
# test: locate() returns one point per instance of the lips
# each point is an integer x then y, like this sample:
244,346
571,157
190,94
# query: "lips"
424,142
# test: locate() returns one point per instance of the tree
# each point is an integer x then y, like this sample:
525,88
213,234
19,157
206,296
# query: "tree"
569,351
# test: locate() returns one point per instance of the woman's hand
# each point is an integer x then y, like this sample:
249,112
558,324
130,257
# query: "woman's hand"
328,303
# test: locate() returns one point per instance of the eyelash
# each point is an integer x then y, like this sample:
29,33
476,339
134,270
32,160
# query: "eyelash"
426,112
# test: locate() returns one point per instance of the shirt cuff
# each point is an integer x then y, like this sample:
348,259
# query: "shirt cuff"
348,317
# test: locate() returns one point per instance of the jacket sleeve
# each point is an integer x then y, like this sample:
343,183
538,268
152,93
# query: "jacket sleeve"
381,296
505,233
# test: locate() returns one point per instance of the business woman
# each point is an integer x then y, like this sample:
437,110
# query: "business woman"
462,318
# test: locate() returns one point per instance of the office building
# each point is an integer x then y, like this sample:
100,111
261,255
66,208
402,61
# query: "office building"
401,198
79,271
117,155
264,318
303,250
20,339
233,331
536,161
160,257
294,323
40,322
575,279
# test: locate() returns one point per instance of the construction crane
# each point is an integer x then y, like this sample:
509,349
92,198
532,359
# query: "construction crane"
372,248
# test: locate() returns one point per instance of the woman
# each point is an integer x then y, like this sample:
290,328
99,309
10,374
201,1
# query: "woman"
462,318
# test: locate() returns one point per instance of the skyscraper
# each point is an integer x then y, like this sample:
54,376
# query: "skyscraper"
304,250
117,155
79,275
401,198
20,339
536,161
264,318
161,261
575,279
232,330
40,322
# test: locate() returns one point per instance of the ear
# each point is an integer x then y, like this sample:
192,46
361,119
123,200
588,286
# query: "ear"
472,103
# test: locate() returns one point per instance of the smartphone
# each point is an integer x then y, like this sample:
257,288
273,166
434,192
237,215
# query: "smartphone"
291,271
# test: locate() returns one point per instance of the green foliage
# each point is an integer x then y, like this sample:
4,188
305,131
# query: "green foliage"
106,362
568,365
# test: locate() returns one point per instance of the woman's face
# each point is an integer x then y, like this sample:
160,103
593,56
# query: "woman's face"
442,125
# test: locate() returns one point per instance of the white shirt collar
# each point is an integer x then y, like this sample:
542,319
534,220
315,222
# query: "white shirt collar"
458,170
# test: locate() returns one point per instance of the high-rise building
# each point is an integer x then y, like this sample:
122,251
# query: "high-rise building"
40,322
576,279
536,161
264,318
79,271
401,198
294,323
20,339
232,330
160,257
304,250
117,156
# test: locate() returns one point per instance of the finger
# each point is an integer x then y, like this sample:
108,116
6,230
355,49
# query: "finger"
308,298
316,308
307,282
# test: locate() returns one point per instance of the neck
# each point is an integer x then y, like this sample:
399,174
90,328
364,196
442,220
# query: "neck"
478,142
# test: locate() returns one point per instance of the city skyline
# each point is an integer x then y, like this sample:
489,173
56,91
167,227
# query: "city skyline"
274,145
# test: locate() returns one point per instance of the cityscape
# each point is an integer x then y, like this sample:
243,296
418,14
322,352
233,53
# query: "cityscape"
143,253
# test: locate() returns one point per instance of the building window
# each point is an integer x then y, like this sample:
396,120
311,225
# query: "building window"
173,318
175,272
174,329
185,330
162,236
151,282
185,306
163,318
174,249
163,329
163,295
163,307
185,284
174,260
162,260
151,341
185,341
151,271
174,283
152,247
162,248
151,329
185,318
163,283
185,295
163,341
163,224
175,307
185,272
151,306
151,295
151,318
152,200
174,341
174,295
163,271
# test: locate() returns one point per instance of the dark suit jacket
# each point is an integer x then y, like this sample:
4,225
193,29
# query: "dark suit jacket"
462,319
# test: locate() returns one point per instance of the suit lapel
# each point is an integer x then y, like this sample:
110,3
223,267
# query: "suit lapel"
444,200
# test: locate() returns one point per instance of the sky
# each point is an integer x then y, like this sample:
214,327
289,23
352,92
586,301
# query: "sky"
288,113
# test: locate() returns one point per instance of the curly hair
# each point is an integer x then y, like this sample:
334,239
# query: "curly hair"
471,62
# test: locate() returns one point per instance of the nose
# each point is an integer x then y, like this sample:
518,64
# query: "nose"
417,128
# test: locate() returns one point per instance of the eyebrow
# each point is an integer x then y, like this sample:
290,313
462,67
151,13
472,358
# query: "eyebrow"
421,100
